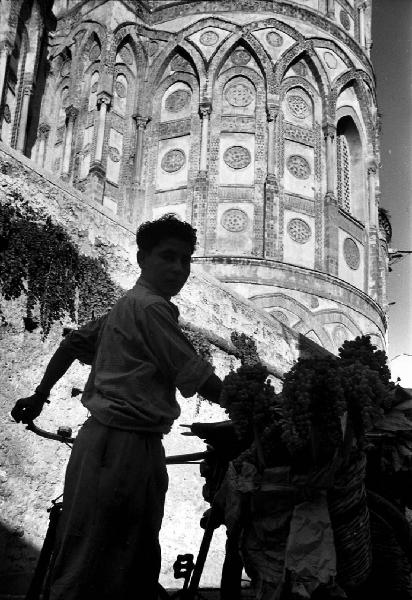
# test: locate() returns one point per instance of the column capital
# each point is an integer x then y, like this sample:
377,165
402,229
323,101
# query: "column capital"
205,108
273,182
141,121
330,10
329,130
43,130
330,199
104,98
372,165
28,89
71,112
6,46
272,111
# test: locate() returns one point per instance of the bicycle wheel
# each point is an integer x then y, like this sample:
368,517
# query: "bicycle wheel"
40,583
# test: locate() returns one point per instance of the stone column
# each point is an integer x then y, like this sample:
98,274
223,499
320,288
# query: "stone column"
373,209
43,134
330,9
272,115
331,209
5,51
362,37
24,113
141,123
205,109
329,132
271,189
71,115
103,104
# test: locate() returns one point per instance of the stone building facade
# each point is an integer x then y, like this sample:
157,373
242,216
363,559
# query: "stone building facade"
256,120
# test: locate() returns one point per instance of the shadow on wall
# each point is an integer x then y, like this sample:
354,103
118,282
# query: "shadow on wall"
14,583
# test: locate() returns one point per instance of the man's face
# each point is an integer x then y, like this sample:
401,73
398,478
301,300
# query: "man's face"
167,266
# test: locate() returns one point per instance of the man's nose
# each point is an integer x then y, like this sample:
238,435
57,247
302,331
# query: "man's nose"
178,266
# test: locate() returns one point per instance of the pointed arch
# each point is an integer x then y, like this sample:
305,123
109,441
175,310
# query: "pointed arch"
304,51
350,169
126,33
88,28
184,49
357,78
251,45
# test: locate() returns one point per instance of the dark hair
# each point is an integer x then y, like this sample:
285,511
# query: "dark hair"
151,233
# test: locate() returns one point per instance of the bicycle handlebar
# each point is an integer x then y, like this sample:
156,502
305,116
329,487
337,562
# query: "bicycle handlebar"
64,434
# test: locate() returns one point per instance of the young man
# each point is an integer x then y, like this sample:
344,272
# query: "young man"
116,479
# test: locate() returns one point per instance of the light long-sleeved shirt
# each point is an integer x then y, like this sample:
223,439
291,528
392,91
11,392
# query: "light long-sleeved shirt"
142,356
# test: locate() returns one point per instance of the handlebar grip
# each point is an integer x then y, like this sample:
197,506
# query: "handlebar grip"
63,434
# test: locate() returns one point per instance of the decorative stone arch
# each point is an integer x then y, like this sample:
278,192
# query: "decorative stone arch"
280,25
349,125
184,77
205,23
88,28
15,13
331,45
169,52
304,51
296,82
307,321
127,34
153,110
355,78
249,43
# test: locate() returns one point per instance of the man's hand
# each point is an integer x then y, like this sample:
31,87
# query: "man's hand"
28,409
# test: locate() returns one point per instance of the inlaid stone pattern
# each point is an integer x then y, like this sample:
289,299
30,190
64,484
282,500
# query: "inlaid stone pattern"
274,39
177,100
298,166
237,157
66,68
345,20
235,220
153,47
299,134
179,63
351,253
280,316
94,52
209,38
239,94
301,69
298,106
241,57
330,60
114,154
7,113
299,230
173,160
174,128
120,89
126,55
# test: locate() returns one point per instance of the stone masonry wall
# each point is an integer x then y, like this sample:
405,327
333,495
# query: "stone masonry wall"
32,469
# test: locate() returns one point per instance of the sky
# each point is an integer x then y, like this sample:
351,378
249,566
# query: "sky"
392,60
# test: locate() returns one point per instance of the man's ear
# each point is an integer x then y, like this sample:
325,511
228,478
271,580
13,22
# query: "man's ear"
140,258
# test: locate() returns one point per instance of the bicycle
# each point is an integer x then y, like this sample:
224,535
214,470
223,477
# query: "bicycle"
222,446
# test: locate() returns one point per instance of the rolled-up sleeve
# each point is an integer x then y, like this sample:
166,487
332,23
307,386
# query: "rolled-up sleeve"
81,344
177,358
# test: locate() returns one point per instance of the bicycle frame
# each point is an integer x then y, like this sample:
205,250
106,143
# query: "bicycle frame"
185,569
